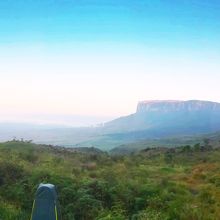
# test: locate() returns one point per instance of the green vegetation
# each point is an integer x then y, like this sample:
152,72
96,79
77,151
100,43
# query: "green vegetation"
156,184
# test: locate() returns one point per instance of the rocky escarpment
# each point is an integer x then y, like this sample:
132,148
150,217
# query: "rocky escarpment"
176,106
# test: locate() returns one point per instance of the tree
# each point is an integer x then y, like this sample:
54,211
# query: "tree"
207,144
197,147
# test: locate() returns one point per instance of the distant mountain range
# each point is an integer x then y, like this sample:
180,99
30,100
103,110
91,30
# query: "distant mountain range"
152,120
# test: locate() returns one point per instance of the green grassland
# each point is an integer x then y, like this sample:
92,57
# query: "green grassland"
157,184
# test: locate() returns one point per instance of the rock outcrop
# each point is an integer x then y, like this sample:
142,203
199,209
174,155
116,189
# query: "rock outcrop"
176,106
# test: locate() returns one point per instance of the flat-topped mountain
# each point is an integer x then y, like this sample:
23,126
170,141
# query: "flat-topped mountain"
162,117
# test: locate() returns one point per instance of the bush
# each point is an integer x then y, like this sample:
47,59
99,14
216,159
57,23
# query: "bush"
10,173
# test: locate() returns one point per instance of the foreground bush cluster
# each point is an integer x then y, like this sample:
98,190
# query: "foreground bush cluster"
155,184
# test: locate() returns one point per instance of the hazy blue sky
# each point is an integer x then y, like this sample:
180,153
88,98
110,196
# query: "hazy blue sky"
90,57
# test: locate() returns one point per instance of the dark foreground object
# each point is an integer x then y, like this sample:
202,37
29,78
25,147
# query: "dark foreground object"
46,206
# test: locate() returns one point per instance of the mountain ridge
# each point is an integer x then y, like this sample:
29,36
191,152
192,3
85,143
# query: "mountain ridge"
169,114
176,105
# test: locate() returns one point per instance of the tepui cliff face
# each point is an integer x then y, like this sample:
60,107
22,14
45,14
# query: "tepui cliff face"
176,106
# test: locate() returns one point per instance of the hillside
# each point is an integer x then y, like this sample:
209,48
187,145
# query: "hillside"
159,184
170,142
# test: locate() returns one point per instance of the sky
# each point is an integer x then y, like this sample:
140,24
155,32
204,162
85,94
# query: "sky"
97,59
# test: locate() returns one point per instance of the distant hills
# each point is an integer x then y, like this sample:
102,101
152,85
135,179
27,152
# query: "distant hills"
169,122
168,142
153,120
